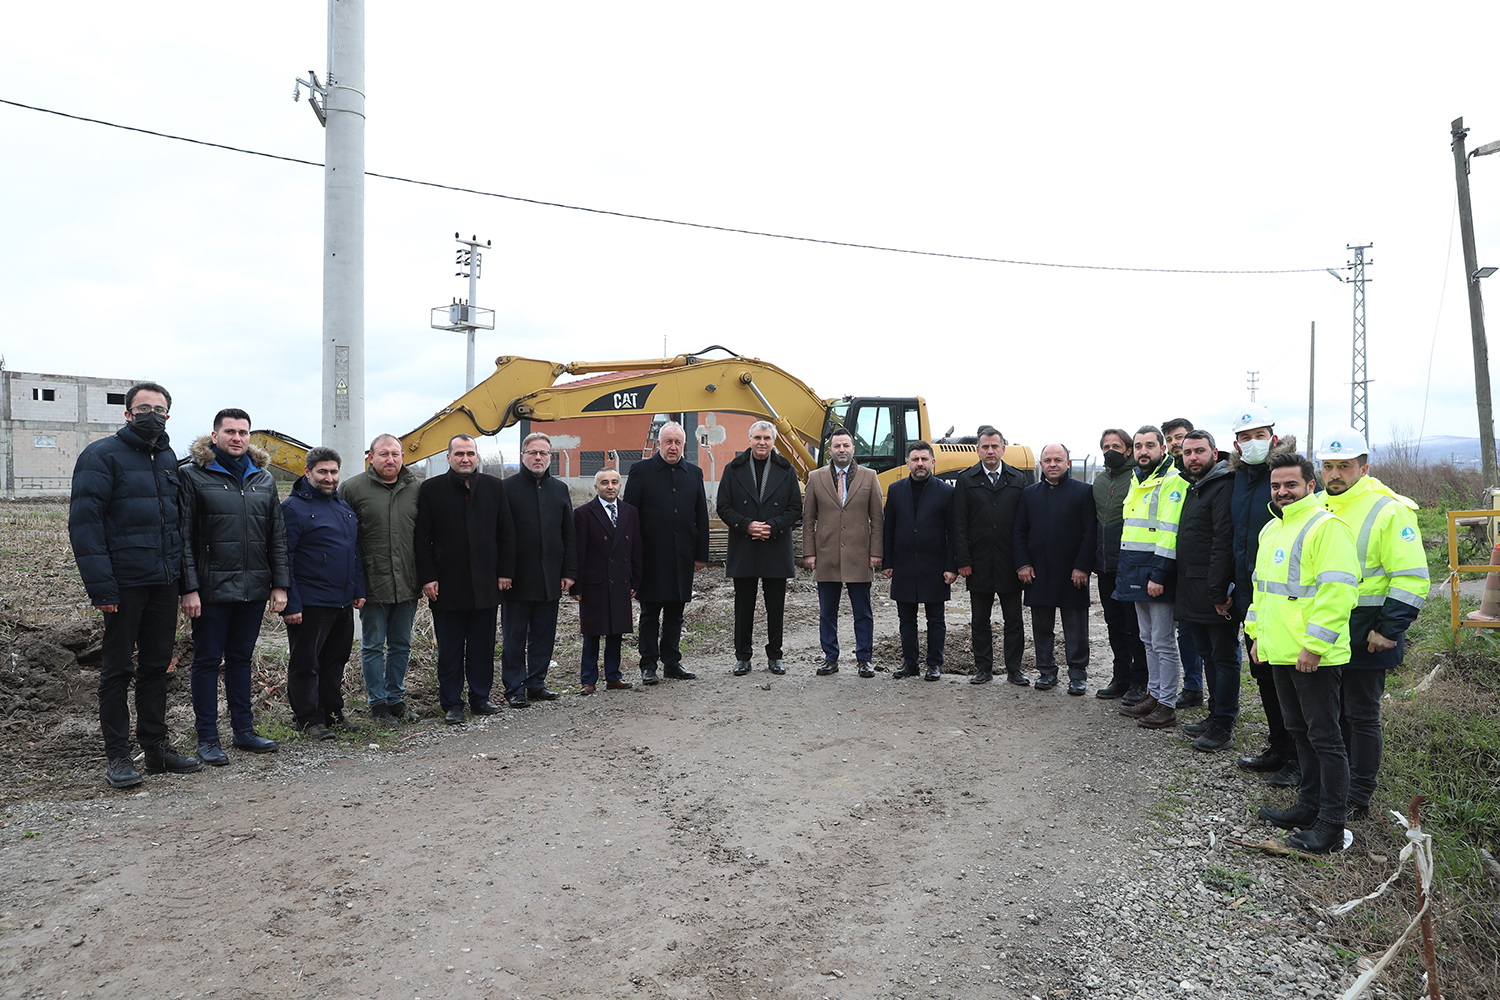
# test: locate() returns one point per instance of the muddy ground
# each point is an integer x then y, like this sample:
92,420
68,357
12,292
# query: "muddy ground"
794,836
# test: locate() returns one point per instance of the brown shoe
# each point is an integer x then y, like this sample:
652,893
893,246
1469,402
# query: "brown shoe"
1165,717
620,685
1144,707
587,689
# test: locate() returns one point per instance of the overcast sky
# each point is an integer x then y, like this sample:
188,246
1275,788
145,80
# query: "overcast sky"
1195,136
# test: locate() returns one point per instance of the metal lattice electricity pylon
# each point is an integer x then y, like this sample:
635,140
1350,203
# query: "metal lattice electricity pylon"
1359,400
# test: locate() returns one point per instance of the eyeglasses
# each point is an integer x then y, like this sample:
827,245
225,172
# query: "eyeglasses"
146,408
543,454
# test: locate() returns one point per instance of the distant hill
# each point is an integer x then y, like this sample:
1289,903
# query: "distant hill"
1443,448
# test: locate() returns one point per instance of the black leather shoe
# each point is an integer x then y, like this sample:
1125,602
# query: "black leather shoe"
678,673
453,717
1114,689
828,667
381,715
865,670
933,674
648,676
212,753
1296,818
486,707
518,701
318,731
163,758
1133,696
741,668
1045,683
1019,679
1265,762
1289,776
400,713
1077,687
1323,838
982,677
1216,738
122,773
542,694
249,739
1190,699
776,667
1359,813
904,672
1197,728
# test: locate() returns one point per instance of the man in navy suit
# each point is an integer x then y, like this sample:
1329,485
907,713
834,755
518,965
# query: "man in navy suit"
609,573
919,558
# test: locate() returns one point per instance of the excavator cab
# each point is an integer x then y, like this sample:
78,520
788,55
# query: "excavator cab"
882,429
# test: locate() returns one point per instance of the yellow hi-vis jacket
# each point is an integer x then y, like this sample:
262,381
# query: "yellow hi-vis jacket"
1394,581
1306,584
1148,541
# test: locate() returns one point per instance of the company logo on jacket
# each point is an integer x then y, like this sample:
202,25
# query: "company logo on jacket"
1279,557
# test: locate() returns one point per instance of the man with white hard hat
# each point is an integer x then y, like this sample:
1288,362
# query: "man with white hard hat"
1255,441
1392,589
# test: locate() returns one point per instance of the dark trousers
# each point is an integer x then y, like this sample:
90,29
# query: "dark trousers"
937,632
774,589
588,672
660,643
828,620
1277,738
981,604
224,636
1075,625
1192,660
1124,636
320,649
144,627
1220,646
1363,737
529,634
466,648
1310,706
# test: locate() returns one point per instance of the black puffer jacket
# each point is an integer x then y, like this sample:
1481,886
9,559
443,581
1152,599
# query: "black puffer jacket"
233,537
1205,547
123,517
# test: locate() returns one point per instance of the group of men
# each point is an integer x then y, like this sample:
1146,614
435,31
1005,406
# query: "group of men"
1187,542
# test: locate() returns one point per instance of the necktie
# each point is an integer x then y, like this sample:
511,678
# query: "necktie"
843,489
994,478
611,508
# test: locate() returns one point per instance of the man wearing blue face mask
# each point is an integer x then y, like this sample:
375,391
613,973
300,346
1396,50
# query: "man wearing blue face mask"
1255,441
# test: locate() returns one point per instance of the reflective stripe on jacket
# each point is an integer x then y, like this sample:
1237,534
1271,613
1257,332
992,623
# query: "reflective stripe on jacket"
1306,584
1148,543
1394,580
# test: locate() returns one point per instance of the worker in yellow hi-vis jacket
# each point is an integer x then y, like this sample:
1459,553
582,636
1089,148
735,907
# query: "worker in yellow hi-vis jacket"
1306,585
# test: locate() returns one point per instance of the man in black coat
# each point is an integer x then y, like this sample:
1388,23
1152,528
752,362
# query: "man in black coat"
667,492
123,523
1111,487
919,558
546,566
234,558
1205,574
609,574
1056,534
761,502
984,523
466,556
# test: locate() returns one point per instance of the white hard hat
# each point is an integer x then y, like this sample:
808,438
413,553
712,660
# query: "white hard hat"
1342,443
1253,415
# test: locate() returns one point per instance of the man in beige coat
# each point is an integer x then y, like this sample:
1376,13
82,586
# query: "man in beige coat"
843,525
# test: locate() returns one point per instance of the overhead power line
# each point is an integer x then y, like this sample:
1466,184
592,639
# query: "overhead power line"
670,222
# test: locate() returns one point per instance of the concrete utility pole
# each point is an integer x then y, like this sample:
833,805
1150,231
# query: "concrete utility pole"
342,114
464,314
1476,304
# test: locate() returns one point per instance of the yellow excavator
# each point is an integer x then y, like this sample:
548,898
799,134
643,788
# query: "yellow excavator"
526,389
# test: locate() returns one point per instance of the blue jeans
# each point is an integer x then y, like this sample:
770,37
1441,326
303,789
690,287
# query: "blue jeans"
385,649
1221,641
224,636
528,635
828,620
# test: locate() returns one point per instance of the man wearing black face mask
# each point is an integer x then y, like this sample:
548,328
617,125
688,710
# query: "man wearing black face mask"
1111,487
123,524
